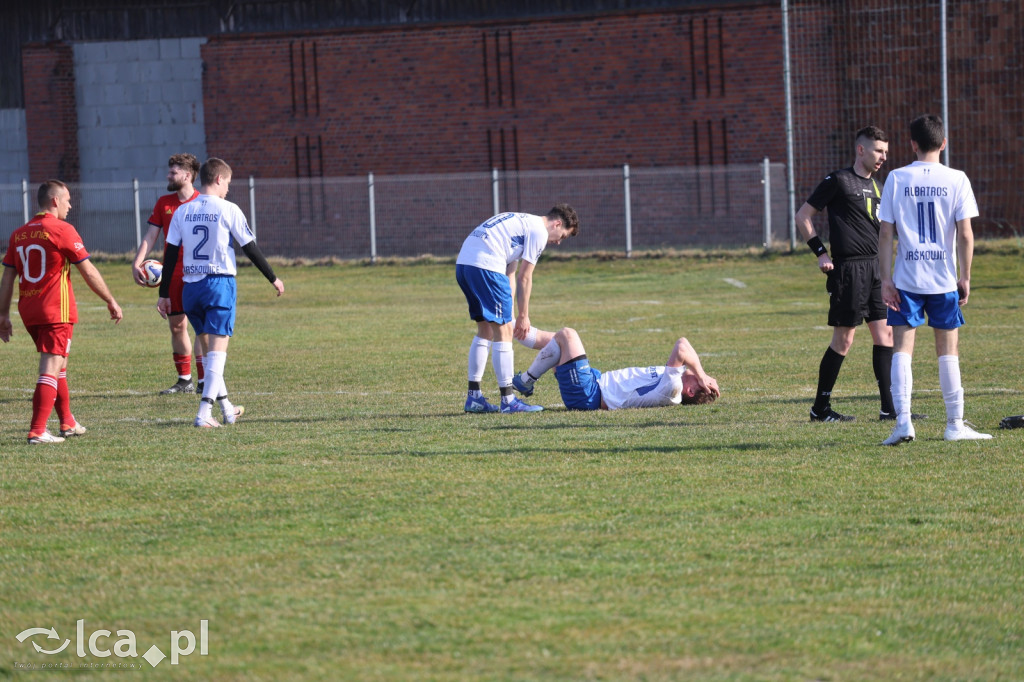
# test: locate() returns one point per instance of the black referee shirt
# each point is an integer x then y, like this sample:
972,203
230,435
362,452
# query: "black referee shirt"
852,205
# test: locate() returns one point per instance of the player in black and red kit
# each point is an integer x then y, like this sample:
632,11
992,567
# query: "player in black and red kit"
851,197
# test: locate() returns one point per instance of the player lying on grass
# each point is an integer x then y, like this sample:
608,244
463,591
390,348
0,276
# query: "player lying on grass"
680,380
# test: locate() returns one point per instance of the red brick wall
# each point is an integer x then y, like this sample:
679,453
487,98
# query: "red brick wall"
649,89
50,116
658,89
882,67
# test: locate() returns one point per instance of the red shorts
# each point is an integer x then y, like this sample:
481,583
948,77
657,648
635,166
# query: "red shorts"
175,295
52,338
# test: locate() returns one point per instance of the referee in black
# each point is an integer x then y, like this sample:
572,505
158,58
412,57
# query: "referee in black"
851,197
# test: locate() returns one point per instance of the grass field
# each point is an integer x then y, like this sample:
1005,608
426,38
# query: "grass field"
356,525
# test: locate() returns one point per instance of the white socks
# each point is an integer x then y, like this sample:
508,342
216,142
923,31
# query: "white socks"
503,361
952,389
479,349
902,386
213,384
546,359
949,382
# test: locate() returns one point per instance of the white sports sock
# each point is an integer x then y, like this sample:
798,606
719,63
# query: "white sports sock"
226,406
213,386
952,389
503,361
205,410
902,386
545,360
531,338
478,351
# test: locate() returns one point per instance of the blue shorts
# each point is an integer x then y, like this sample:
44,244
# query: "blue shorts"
487,292
943,310
577,382
210,304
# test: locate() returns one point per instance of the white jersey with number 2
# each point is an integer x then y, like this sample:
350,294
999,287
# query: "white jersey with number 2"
503,239
924,201
204,228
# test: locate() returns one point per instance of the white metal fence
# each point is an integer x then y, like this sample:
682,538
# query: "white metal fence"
621,210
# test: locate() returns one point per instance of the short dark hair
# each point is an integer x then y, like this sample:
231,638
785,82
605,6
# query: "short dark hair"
211,169
187,161
871,133
928,132
701,397
567,215
47,191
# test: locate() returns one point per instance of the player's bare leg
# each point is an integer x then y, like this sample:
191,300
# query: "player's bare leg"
555,348
200,353
181,349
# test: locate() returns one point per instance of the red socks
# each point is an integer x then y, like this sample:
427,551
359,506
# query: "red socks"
63,404
183,363
42,402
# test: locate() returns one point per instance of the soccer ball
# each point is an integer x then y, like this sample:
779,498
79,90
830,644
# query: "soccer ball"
154,270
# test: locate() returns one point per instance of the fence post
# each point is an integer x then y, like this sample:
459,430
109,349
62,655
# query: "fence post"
787,88
494,190
373,221
138,216
629,210
766,180
252,205
24,198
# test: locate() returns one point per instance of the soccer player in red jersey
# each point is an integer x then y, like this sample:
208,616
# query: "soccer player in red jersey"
182,170
41,254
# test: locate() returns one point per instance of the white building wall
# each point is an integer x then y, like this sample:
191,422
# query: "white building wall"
13,147
138,103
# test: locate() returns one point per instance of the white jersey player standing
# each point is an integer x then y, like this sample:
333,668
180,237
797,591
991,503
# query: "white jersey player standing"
930,207
202,232
681,380
505,246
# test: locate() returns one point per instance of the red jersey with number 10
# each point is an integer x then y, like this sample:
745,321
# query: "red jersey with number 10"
41,252
163,211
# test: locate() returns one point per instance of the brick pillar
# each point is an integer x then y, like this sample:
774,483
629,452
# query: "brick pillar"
50,111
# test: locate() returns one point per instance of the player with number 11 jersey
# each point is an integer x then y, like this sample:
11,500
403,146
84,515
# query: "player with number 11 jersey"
924,201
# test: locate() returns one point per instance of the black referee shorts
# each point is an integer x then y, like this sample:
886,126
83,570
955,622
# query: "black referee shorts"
855,293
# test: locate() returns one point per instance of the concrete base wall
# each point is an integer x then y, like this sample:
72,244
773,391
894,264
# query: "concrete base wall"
137,103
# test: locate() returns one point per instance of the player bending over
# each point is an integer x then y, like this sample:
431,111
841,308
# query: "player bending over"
681,380
495,266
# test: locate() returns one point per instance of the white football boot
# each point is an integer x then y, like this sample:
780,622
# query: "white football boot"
900,434
963,432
